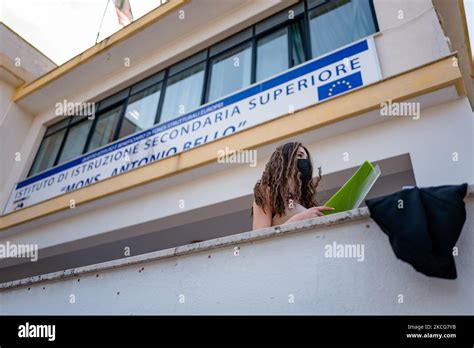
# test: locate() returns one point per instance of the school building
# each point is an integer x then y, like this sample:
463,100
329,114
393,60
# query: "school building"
112,166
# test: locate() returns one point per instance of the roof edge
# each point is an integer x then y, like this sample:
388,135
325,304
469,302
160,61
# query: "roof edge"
121,35
28,43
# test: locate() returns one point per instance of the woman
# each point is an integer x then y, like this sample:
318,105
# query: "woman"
286,191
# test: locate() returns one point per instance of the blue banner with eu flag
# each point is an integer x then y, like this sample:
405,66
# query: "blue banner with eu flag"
340,86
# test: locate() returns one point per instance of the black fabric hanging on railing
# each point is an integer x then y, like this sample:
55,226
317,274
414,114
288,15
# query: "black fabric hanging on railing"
423,226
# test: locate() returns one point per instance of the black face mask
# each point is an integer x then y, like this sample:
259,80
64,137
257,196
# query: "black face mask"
304,166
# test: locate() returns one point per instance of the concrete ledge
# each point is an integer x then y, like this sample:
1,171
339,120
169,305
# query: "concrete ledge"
317,224
299,226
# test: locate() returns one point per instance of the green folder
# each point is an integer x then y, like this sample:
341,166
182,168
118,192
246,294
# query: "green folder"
351,195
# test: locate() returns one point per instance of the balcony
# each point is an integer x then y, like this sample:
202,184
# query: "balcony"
278,270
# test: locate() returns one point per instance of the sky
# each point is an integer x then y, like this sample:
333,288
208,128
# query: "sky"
62,29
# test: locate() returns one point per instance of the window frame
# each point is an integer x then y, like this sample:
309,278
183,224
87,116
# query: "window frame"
168,76
266,33
226,51
103,111
41,143
309,9
63,141
127,104
284,25
70,125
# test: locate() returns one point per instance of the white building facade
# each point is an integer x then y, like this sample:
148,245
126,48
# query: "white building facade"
132,210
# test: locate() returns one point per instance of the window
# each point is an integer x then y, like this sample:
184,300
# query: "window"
272,54
57,126
113,99
183,92
230,71
141,111
150,81
47,152
297,43
338,23
75,141
104,129
289,14
230,42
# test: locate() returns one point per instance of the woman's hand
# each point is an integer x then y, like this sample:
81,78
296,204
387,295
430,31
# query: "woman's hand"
309,213
314,212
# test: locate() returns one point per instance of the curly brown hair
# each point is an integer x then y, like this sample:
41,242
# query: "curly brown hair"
280,171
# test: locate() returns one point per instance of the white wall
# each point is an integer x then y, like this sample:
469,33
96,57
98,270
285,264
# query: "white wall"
14,127
20,63
262,278
410,35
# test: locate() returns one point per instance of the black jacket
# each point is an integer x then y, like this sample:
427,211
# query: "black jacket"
423,225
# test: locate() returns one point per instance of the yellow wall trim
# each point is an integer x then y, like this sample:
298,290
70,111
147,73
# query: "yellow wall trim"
422,80
98,48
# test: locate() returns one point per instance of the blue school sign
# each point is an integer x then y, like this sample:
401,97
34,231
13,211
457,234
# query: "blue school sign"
338,72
